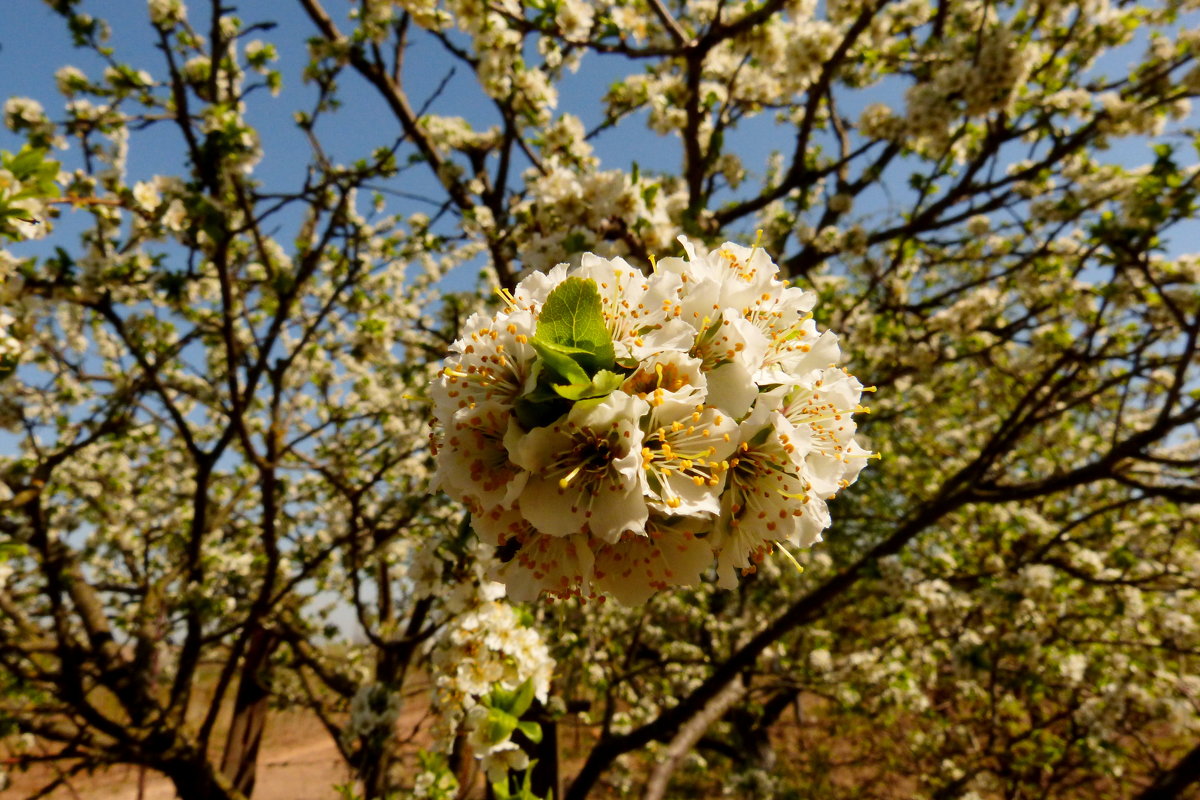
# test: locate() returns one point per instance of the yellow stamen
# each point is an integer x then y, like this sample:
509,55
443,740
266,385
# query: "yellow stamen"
510,301
791,558
565,481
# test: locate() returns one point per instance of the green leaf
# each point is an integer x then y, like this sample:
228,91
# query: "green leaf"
574,391
573,317
26,162
576,357
560,361
575,242
602,384
532,731
527,785
502,790
537,410
500,725
500,698
523,699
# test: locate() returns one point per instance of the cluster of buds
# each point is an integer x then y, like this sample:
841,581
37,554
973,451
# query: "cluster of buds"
613,432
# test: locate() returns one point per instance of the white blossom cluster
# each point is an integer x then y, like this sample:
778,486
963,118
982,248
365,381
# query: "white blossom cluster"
26,115
10,346
483,649
374,710
575,209
987,77
719,429
503,69
165,13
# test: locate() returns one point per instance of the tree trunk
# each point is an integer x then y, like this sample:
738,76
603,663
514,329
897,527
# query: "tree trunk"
239,762
1174,781
546,779
376,764
196,779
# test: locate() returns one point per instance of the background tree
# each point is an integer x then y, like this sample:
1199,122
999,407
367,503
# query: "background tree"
220,420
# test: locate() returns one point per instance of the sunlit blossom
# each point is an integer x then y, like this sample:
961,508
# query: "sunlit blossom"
615,433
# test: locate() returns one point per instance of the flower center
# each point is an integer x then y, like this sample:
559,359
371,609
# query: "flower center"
591,456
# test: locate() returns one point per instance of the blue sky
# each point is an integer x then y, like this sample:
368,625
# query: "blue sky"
34,43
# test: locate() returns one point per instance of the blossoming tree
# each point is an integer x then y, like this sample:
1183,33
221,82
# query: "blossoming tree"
220,389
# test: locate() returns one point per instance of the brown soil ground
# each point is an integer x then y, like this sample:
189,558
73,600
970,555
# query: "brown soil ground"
299,761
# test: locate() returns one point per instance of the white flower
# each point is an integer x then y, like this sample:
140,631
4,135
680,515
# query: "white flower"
767,498
640,564
476,465
794,346
175,217
501,759
586,470
146,195
732,276
683,456
731,349
535,287
635,307
493,361
821,429
672,374
557,565
574,18
374,710
10,350
69,80
22,111
481,649
1073,667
